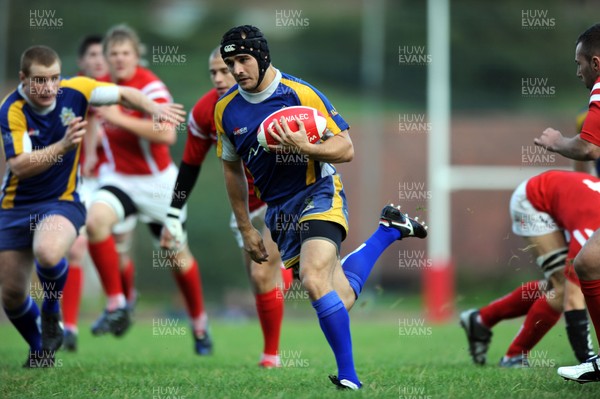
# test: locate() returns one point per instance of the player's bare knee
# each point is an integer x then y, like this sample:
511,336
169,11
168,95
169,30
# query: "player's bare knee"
46,255
97,227
316,282
124,260
181,261
583,266
74,256
13,296
77,251
49,250
313,286
178,262
260,274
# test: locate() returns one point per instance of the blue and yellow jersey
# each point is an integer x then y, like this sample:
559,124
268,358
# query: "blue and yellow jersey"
238,116
25,130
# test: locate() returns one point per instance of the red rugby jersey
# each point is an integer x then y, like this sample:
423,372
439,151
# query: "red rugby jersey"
573,201
130,154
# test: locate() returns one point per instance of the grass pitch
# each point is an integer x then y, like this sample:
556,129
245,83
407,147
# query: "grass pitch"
396,357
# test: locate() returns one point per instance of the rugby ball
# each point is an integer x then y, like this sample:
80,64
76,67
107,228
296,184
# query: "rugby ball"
315,124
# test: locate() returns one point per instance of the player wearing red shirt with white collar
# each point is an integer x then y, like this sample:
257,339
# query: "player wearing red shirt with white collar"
202,135
138,179
91,63
584,147
143,152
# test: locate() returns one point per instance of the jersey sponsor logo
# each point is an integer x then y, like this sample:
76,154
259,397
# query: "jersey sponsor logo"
229,48
240,130
66,115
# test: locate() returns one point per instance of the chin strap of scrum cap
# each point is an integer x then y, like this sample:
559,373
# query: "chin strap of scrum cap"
247,39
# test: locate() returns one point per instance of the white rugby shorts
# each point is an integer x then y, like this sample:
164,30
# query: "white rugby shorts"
526,220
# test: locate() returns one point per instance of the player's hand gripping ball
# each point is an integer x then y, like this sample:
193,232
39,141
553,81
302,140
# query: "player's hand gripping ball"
315,124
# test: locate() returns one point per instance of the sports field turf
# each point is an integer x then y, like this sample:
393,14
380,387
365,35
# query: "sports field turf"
397,357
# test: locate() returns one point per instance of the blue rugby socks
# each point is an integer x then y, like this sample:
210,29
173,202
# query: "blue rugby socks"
25,318
358,264
335,323
53,281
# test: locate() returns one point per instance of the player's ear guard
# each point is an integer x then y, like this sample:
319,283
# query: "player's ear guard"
247,39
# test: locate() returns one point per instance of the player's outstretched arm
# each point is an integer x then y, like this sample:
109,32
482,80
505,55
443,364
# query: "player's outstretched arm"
237,190
165,116
154,130
135,99
570,147
28,164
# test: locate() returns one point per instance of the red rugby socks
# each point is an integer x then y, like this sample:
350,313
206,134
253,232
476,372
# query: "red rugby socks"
512,305
72,297
270,313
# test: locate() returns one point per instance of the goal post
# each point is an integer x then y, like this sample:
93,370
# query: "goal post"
444,178
438,280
